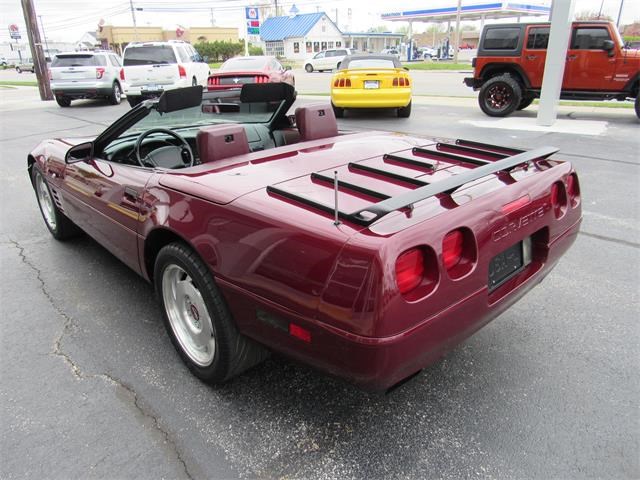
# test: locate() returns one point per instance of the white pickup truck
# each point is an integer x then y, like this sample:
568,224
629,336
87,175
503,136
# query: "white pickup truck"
152,67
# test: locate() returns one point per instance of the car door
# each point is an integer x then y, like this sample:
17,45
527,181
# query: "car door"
534,54
588,67
104,198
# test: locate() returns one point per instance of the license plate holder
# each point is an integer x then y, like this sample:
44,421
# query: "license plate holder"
508,263
371,84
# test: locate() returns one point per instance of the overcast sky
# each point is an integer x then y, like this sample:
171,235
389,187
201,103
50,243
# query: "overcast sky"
67,20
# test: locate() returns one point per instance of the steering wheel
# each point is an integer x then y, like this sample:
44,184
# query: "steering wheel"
171,156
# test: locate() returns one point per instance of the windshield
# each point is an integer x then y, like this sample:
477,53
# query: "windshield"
212,111
244,63
149,55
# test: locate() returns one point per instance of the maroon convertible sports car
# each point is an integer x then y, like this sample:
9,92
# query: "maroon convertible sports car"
367,255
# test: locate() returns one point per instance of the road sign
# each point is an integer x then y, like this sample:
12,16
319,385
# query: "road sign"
14,32
252,15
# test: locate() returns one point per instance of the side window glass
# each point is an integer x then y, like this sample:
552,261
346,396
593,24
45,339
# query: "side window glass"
501,39
538,38
589,38
101,60
320,55
182,54
114,61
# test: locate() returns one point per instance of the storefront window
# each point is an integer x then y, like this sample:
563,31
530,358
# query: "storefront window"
324,46
296,47
316,46
330,45
309,47
338,44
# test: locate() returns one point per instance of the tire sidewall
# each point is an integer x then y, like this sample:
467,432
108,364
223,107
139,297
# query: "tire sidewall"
183,257
308,67
637,105
35,173
516,96
115,99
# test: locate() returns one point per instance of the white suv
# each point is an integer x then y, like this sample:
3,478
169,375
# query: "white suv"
152,67
85,75
327,59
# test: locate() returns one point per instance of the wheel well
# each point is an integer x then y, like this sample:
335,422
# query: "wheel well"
30,162
153,244
494,70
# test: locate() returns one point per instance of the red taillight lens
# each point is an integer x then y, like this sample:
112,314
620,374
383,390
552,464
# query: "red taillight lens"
573,189
396,82
409,270
122,74
342,82
347,83
99,72
335,82
452,249
182,71
299,332
558,197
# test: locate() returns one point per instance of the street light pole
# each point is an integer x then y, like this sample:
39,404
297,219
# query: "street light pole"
456,43
133,15
619,14
46,43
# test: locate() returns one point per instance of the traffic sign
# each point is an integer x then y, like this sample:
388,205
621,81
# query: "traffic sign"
14,32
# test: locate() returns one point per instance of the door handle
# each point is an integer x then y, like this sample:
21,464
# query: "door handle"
571,57
131,194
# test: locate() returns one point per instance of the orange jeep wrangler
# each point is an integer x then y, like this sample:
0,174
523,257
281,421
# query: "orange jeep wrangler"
510,64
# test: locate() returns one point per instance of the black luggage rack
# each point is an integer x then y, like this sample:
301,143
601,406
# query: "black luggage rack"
499,159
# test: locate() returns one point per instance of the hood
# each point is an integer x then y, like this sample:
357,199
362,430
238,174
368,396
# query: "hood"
224,181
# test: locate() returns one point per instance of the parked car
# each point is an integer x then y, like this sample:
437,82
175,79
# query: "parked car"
509,67
26,65
153,67
367,255
371,81
326,60
3,62
237,71
391,51
78,75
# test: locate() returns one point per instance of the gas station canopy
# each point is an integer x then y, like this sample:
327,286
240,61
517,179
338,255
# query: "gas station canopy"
484,11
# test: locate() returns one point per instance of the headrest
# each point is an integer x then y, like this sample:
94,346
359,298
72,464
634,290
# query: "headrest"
316,121
266,92
221,141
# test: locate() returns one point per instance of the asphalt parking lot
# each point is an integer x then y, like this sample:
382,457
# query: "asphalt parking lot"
92,387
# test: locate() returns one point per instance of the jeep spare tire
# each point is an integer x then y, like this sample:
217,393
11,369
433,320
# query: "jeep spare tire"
500,96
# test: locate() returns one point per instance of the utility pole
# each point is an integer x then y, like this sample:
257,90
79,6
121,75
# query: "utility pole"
37,53
46,43
619,14
133,15
213,22
276,8
456,42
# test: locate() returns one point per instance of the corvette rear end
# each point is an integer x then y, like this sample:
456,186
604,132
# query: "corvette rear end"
430,244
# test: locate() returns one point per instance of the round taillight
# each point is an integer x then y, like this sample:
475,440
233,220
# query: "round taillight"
409,270
573,189
558,197
459,252
452,249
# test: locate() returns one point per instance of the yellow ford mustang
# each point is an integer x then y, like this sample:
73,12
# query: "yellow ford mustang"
371,81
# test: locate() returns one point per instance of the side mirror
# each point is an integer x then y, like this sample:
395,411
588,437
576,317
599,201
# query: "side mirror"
79,153
608,46
287,67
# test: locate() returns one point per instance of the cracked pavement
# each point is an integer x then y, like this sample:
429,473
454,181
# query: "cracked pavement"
90,386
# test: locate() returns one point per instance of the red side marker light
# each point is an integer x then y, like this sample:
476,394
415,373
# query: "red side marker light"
299,332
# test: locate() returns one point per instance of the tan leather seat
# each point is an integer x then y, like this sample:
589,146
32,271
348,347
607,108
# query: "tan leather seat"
316,121
217,142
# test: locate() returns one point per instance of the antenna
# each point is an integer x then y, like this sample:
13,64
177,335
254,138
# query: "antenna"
336,220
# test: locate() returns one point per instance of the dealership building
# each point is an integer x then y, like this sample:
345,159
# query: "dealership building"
299,36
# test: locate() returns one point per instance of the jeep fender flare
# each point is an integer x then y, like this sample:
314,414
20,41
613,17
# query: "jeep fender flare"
493,69
633,85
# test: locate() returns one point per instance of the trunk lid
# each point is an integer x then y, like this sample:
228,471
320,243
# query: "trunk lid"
364,78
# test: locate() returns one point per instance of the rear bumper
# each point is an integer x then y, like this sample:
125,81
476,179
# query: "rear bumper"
212,88
152,91
374,98
472,82
84,91
376,363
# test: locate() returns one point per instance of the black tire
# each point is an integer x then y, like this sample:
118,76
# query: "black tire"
116,94
338,65
405,112
525,102
18,70
234,353
308,67
63,101
63,228
134,101
338,111
637,105
500,96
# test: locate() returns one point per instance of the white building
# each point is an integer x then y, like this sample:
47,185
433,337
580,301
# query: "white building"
297,37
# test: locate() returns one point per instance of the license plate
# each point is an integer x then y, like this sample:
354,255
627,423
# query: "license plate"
371,84
508,263
151,88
